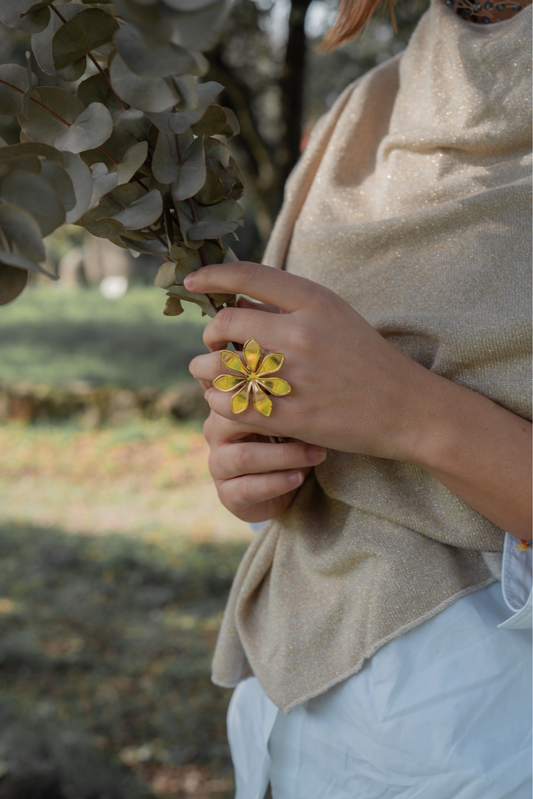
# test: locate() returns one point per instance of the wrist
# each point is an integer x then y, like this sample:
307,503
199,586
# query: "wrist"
430,434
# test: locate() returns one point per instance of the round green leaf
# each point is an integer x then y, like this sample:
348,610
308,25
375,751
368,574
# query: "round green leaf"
27,15
41,44
41,125
90,129
21,262
30,148
23,231
178,121
87,31
147,94
145,58
142,212
132,162
199,29
12,282
35,195
191,176
60,180
12,99
80,175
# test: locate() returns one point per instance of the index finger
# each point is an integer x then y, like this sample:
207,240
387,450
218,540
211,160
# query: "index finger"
264,283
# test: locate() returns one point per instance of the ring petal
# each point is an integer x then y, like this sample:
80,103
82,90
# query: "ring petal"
262,401
252,353
240,400
276,385
232,361
228,382
271,363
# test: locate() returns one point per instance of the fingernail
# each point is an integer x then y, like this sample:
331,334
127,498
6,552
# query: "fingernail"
188,282
208,394
295,478
315,453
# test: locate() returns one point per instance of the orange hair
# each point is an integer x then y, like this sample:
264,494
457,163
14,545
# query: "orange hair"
352,17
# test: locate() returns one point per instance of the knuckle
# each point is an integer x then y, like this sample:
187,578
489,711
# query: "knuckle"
248,272
304,341
224,319
241,458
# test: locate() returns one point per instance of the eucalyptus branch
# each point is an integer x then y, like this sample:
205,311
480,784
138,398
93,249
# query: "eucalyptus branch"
143,74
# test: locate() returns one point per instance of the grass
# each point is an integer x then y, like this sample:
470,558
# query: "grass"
56,336
115,563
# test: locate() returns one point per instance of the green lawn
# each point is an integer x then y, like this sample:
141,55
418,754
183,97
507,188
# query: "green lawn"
116,559
54,336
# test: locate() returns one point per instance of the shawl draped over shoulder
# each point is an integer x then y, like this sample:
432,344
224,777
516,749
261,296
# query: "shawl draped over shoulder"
412,202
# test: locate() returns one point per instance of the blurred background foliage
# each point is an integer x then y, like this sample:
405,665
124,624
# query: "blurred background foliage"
115,555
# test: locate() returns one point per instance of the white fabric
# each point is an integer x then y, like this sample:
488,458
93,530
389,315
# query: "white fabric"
517,568
442,712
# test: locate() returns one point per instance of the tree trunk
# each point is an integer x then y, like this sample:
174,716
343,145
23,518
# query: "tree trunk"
292,89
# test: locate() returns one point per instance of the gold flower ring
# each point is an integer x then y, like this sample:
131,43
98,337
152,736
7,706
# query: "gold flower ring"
253,377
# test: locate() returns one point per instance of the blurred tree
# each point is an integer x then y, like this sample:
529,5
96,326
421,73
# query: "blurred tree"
279,85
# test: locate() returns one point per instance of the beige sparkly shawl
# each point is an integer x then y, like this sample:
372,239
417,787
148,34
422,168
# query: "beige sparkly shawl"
412,202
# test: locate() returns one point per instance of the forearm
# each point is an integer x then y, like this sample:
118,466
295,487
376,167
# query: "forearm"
477,449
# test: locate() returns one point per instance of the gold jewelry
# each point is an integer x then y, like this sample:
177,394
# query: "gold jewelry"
252,378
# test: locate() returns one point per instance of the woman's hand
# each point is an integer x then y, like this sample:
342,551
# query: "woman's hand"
351,389
256,481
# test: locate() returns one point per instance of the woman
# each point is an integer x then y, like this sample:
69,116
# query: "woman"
365,629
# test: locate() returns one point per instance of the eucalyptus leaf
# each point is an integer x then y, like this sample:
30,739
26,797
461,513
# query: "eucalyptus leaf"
60,180
191,176
213,190
150,60
90,129
150,246
152,95
34,194
41,44
43,125
21,262
103,182
134,121
199,29
27,15
148,18
132,162
217,120
186,221
189,5
216,150
82,183
142,212
215,220
23,231
12,97
24,163
115,148
173,121
187,89
96,89
181,293
173,306
165,166
85,32
31,148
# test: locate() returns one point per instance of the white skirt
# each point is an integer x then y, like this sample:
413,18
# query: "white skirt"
441,712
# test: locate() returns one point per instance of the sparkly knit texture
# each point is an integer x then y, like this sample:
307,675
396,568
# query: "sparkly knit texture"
412,202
